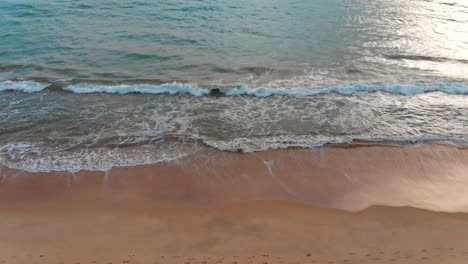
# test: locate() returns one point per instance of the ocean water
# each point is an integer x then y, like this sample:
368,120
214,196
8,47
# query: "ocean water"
97,84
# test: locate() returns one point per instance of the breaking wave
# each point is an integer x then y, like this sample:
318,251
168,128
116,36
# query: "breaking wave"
22,86
175,88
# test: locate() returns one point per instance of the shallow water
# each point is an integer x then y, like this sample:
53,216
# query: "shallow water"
65,131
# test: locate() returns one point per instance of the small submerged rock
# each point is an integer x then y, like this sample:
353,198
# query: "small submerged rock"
216,92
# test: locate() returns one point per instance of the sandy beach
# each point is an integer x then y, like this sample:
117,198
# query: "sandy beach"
359,203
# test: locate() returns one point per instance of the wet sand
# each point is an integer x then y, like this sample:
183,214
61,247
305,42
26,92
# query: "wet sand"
361,203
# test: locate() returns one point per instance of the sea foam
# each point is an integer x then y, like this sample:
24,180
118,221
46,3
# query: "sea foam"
350,89
402,89
22,86
167,88
175,88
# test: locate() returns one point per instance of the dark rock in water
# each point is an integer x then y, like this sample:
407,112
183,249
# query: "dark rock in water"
216,92
55,87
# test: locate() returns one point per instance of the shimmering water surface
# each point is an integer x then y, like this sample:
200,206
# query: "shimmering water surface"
206,40
96,84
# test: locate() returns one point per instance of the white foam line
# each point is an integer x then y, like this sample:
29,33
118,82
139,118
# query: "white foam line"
22,86
167,88
180,88
402,89
193,89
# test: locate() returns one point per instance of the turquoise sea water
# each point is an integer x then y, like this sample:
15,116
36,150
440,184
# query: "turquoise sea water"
96,84
211,41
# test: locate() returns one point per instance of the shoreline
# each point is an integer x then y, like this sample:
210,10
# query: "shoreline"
325,205
350,177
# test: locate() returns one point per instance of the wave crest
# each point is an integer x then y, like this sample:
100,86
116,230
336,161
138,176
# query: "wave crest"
22,86
167,88
175,88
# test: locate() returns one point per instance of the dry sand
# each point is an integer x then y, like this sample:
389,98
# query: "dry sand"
347,204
